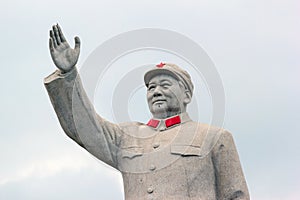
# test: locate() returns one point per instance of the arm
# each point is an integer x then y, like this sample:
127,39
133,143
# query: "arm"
75,112
230,180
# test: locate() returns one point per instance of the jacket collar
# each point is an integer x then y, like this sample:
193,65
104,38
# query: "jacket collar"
163,124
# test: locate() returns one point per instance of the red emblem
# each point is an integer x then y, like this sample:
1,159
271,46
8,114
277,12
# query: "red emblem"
160,65
153,123
173,121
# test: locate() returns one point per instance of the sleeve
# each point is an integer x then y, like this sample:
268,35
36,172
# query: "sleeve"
78,118
230,180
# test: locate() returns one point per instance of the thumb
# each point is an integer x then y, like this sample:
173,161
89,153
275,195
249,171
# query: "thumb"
77,43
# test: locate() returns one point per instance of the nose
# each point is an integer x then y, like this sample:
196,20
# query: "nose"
157,92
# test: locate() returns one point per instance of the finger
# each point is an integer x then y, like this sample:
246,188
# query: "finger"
61,35
77,43
53,39
51,45
58,41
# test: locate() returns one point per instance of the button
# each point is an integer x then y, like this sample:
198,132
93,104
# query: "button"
152,167
150,190
155,145
162,128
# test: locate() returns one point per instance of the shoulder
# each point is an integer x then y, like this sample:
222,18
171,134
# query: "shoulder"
215,134
135,131
131,126
208,136
206,129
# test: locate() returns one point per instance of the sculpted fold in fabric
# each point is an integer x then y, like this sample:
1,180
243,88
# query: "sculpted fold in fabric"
174,158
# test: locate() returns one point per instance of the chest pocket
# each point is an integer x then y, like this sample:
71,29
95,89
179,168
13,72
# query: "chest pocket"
132,152
186,150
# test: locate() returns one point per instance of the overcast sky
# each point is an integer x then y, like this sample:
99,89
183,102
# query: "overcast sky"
254,45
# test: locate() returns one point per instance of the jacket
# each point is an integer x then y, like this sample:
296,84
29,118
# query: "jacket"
187,160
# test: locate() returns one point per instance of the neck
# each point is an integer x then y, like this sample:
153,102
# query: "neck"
165,115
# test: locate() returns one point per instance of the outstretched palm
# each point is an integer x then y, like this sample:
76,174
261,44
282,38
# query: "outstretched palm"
63,56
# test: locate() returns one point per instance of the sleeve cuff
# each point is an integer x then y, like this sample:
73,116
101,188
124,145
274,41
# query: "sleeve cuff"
59,74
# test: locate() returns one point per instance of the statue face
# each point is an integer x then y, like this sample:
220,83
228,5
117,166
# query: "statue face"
166,96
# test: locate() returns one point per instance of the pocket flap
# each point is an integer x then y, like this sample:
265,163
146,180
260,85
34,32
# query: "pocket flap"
186,150
131,152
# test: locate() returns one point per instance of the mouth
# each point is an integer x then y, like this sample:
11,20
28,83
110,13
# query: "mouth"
158,101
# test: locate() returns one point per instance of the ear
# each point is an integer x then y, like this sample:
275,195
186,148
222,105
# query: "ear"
187,98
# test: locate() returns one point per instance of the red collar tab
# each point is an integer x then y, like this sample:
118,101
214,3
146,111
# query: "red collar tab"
152,122
160,65
168,122
173,121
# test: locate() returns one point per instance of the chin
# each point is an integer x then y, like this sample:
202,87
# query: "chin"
158,110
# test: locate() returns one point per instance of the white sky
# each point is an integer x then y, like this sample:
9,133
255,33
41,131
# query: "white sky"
254,45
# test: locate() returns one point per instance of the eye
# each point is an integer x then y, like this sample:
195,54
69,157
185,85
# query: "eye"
165,85
151,87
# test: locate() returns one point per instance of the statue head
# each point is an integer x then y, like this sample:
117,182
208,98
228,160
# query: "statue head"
169,90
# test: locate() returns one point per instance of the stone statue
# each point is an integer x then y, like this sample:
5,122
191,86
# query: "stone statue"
170,157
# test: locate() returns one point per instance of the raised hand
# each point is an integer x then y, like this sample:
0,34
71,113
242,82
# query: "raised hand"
63,56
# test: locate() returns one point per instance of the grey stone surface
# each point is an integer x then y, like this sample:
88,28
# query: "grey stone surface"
171,157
